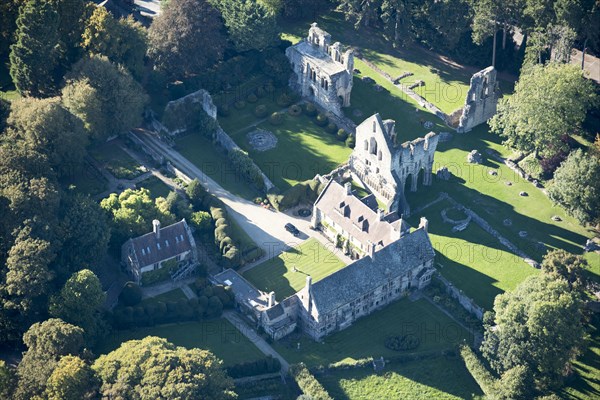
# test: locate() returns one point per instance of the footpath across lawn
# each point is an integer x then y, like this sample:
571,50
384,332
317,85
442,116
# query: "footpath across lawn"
443,378
366,337
309,258
219,336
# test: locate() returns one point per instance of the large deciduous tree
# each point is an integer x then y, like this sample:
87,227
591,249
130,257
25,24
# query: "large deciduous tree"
72,379
537,326
251,24
104,96
549,102
123,41
46,343
186,38
45,126
576,186
79,301
34,57
153,368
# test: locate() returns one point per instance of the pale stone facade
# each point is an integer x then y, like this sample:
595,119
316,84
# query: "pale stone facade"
481,101
322,70
384,167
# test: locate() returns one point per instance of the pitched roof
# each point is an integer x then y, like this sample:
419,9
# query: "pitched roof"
366,274
356,217
243,289
171,241
315,56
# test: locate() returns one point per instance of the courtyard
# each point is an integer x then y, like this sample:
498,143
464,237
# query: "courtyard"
286,273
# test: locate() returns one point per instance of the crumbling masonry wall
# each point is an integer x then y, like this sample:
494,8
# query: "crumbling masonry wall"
481,100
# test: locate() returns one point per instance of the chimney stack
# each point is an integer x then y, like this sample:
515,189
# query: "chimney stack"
424,223
156,228
271,299
380,214
308,281
348,186
371,249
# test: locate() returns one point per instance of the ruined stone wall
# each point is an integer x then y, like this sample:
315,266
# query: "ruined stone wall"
481,101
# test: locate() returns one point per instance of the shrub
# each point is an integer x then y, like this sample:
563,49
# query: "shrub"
131,294
331,128
201,220
310,109
351,141
480,373
276,118
308,383
261,111
224,110
321,119
252,98
240,104
246,168
342,135
295,110
263,366
403,342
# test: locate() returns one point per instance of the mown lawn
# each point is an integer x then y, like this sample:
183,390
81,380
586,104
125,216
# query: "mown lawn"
173,295
367,336
586,384
86,180
473,259
156,187
204,154
303,150
309,258
218,336
496,201
444,378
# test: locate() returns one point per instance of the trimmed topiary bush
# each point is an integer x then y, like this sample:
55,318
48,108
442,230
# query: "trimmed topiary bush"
310,109
295,110
331,128
252,98
276,118
322,119
261,111
240,104
401,343
351,141
342,135
260,92
284,100
224,110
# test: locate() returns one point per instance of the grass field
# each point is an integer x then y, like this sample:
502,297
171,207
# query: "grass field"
365,338
277,274
156,187
86,180
203,153
116,161
218,336
444,378
173,295
303,150
473,260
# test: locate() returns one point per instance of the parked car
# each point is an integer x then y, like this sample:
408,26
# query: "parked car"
292,229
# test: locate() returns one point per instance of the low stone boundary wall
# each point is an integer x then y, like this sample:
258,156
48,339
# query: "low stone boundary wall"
465,301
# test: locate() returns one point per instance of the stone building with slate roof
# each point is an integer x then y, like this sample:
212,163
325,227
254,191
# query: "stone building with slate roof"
357,225
171,245
322,70
338,300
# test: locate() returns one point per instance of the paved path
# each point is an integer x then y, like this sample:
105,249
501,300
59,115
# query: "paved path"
255,338
264,226
255,378
189,293
155,290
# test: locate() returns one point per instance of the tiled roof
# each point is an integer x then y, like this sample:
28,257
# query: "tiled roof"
172,241
366,274
243,289
356,217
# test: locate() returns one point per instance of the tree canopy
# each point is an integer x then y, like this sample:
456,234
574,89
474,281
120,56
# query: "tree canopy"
537,326
153,368
549,102
186,38
72,379
576,186
251,24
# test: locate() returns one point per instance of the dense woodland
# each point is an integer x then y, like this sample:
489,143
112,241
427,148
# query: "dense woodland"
85,75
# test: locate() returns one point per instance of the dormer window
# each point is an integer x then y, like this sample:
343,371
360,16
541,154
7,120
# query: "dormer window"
158,246
143,252
167,243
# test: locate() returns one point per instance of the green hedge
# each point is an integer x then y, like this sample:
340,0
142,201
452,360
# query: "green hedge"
266,365
245,167
308,383
478,371
303,192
